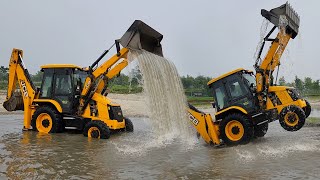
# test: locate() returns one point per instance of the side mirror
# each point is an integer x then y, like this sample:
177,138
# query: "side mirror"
253,88
213,104
78,87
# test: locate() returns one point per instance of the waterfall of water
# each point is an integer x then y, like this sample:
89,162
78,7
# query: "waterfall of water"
263,32
165,96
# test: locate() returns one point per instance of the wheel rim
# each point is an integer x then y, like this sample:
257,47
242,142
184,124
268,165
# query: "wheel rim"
44,123
234,130
94,132
291,119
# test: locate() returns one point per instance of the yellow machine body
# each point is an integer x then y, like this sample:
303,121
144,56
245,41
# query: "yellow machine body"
71,96
246,102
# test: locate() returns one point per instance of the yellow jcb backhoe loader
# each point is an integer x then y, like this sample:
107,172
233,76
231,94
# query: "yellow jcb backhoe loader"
246,102
71,96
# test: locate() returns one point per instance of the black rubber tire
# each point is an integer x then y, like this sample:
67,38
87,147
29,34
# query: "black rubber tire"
104,130
247,126
261,130
296,110
54,114
129,125
307,109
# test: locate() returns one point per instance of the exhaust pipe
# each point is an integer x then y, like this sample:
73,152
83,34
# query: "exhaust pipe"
293,18
141,36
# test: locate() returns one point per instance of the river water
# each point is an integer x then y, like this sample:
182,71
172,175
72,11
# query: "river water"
139,155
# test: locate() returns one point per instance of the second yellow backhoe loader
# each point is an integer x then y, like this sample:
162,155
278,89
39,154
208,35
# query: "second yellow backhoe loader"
246,102
71,96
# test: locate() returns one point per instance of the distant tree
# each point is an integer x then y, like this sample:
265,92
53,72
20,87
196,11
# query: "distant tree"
308,85
3,73
135,76
298,84
122,79
282,81
316,85
188,82
37,77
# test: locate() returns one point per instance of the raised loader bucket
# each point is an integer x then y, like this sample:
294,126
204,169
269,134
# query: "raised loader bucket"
141,36
293,18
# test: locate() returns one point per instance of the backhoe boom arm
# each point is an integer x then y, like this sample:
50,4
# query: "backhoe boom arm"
19,100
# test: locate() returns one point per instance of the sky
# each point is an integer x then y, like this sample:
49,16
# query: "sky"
204,37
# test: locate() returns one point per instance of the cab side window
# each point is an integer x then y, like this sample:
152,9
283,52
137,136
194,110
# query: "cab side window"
46,89
46,85
236,90
63,84
221,97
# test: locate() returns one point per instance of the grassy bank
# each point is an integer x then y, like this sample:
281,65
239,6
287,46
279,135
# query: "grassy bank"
120,89
199,101
313,98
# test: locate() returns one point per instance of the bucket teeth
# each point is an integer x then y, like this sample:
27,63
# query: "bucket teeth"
141,36
292,16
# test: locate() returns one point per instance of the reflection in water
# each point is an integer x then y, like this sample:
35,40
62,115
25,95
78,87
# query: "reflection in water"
280,154
59,156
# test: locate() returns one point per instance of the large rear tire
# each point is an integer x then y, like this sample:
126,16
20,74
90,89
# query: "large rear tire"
96,129
46,120
292,118
261,130
129,125
236,129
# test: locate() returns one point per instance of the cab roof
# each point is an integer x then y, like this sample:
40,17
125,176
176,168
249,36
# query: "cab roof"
226,74
51,66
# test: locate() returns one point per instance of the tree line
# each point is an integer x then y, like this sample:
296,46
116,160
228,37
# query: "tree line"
194,86
306,86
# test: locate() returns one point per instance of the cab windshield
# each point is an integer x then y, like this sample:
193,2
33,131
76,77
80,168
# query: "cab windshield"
79,76
250,79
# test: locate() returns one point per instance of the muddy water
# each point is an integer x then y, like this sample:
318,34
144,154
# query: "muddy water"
29,155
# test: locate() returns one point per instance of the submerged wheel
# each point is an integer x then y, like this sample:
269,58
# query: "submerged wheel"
292,118
261,130
307,109
236,129
96,129
46,120
129,125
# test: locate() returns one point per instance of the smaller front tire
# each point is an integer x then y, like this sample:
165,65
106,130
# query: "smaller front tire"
292,118
96,129
129,125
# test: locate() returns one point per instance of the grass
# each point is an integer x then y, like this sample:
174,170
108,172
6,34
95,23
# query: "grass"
199,101
313,98
120,89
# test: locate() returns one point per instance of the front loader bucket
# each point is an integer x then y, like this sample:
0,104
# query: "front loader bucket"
141,36
286,10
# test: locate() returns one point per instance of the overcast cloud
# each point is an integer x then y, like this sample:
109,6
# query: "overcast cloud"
203,37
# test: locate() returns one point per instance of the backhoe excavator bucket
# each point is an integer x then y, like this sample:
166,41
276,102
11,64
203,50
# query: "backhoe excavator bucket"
286,10
141,36
15,102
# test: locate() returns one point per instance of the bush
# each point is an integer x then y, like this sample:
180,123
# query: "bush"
122,89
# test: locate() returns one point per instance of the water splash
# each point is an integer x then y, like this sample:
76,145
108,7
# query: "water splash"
263,32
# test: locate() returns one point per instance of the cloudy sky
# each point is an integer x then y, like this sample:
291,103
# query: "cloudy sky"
204,37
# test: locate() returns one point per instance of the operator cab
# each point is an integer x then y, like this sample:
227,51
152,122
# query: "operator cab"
62,83
236,88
